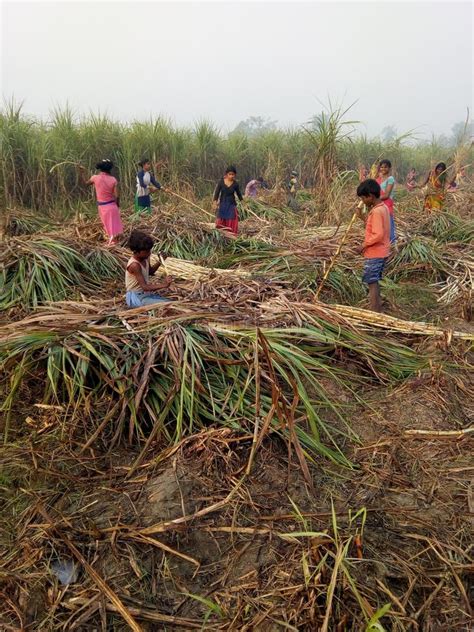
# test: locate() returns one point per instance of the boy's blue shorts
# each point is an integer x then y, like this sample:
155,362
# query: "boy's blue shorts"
373,270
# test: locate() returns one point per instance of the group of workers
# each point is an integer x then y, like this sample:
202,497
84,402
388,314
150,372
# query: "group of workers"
376,194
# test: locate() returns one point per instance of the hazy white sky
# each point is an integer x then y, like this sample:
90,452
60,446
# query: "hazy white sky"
409,64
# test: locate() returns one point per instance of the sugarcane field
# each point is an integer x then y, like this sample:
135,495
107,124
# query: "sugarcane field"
259,451
236,365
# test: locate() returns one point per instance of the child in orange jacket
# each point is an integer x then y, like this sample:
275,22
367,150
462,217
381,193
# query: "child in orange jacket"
376,246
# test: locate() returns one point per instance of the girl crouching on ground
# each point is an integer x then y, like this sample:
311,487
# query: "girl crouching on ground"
140,291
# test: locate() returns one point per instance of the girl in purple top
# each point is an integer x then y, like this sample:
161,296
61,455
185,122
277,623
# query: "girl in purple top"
253,187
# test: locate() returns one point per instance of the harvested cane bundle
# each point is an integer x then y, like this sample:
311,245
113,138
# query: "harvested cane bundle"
371,319
187,270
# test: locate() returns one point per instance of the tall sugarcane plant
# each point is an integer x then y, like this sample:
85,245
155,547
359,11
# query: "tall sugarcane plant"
40,160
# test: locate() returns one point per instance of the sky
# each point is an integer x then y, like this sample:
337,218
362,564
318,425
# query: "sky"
406,64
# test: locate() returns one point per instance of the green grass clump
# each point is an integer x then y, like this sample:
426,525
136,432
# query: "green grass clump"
448,227
345,285
25,223
418,254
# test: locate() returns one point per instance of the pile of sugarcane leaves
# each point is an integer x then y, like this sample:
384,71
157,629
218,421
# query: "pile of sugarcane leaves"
244,457
245,434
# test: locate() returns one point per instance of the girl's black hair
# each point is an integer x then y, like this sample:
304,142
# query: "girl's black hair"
231,169
105,165
368,187
385,162
139,241
143,162
442,176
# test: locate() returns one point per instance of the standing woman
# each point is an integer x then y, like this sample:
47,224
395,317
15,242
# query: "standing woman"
106,191
292,188
227,188
145,183
387,185
436,185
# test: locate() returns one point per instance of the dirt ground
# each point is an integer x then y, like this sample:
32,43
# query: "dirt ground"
188,537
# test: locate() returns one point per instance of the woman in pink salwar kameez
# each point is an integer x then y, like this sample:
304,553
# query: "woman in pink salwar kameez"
106,190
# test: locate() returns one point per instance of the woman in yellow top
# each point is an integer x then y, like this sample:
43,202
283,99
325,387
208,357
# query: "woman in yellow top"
436,183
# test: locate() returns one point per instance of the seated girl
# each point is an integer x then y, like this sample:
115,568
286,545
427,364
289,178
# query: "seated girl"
140,291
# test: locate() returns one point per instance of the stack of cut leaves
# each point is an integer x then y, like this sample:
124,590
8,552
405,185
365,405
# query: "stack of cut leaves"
178,372
22,222
185,239
42,268
259,209
449,228
441,252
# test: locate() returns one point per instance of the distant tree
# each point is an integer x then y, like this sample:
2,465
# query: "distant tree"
439,143
254,125
389,132
461,132
443,141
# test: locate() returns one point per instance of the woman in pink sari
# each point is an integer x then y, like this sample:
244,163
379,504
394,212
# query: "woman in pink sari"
106,190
